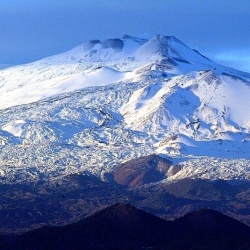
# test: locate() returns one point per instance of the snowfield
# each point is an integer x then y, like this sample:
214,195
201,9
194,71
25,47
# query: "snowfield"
103,103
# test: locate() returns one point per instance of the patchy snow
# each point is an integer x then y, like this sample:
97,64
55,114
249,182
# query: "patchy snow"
102,103
14,127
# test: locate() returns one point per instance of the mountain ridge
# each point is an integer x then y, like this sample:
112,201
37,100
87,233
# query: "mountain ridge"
159,45
81,116
123,226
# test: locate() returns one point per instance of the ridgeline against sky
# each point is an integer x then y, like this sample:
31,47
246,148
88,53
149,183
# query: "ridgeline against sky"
31,30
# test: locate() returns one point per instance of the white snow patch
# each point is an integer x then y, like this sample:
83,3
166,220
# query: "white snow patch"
14,127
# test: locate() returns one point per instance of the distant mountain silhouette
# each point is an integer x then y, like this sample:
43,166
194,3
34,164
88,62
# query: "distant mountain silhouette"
209,229
122,226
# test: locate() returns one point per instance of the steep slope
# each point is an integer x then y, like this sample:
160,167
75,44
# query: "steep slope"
103,103
96,63
196,110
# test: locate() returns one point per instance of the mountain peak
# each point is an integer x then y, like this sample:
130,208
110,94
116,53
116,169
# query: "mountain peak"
135,39
158,96
133,48
134,229
120,212
165,37
169,47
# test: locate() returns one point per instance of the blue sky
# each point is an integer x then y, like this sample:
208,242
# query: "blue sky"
33,29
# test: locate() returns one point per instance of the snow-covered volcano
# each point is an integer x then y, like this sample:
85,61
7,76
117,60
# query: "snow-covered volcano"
105,102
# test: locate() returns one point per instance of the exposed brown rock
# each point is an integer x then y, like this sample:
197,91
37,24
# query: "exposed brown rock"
143,170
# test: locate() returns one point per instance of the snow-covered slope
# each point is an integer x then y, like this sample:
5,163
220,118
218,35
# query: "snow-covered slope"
103,103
